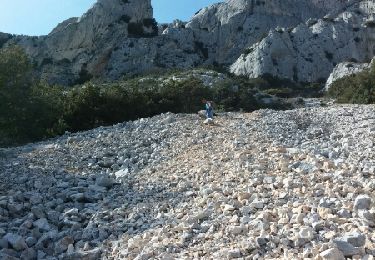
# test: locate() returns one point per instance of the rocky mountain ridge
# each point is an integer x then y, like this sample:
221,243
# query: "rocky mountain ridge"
271,184
310,51
121,37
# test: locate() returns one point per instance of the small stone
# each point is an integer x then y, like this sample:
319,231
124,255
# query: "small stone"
244,196
29,253
362,202
36,199
234,253
3,243
332,254
38,212
355,239
367,216
257,204
344,213
324,212
86,246
236,230
9,254
104,181
202,215
30,241
228,208
15,209
62,245
346,248
70,249
40,254
122,173
261,241
306,233
42,224
17,242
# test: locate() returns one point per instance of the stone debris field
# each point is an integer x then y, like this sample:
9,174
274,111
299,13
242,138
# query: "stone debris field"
295,184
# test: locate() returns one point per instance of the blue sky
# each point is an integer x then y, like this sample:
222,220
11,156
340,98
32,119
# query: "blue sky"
39,17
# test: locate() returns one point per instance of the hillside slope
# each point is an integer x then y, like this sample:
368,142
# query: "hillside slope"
270,184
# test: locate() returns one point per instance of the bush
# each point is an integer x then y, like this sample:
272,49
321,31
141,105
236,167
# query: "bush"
356,89
32,110
28,109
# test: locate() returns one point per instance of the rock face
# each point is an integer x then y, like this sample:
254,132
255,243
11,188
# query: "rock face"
227,29
345,69
310,51
295,184
81,47
120,37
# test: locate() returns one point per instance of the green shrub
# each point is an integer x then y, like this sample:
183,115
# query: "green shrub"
28,109
358,88
32,110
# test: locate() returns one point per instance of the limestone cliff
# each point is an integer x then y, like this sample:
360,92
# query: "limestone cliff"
237,24
82,47
310,51
297,39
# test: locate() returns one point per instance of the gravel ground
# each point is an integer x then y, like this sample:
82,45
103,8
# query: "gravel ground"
270,184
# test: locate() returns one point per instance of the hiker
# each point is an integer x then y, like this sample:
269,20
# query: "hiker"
209,109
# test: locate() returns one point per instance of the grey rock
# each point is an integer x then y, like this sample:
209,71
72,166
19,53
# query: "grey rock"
355,239
53,216
63,244
234,253
346,69
261,241
104,181
332,254
346,248
90,255
42,224
344,213
38,212
367,216
15,208
36,199
218,34
297,54
122,173
362,202
30,241
9,254
40,254
17,242
3,243
29,254
46,241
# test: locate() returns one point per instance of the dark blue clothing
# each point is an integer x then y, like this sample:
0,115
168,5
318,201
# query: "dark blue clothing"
209,110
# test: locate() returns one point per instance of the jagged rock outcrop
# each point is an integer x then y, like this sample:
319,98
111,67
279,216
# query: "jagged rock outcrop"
237,24
121,37
81,47
346,69
310,51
